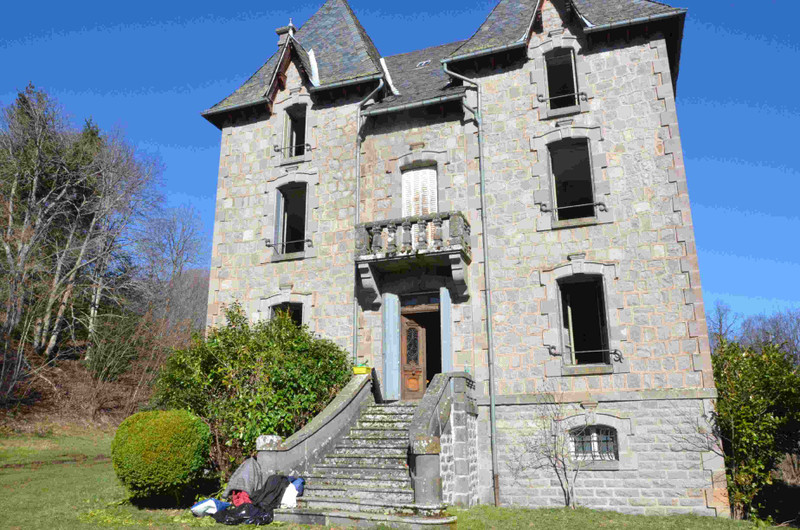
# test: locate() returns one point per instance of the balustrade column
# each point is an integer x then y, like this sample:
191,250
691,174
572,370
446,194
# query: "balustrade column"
391,238
375,233
406,236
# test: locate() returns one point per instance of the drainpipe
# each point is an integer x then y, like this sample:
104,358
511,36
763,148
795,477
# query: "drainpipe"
487,279
358,208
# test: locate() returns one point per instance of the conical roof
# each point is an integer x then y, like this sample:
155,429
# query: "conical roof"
342,49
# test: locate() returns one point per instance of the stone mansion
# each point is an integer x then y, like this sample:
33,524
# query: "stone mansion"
513,207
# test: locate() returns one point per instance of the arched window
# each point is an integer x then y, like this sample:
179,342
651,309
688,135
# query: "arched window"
594,443
583,318
294,310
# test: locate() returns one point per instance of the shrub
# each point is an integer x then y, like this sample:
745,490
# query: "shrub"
756,416
246,380
160,453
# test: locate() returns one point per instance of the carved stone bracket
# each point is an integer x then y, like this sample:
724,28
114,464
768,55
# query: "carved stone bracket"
458,268
369,287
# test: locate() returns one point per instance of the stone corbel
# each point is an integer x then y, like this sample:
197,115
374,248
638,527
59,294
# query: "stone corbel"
458,268
368,284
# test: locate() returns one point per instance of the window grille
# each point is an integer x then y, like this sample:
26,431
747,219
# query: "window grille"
594,443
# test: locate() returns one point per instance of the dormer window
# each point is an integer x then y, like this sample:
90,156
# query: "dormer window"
295,137
562,83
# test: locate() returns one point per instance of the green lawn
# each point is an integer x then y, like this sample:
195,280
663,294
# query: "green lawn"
62,478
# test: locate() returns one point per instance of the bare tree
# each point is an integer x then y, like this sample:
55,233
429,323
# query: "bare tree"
781,328
722,323
546,445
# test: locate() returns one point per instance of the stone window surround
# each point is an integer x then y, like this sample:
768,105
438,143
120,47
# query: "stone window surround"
293,99
266,305
415,160
538,54
561,363
293,176
623,426
545,196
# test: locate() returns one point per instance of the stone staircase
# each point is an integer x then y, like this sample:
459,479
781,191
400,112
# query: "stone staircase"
367,472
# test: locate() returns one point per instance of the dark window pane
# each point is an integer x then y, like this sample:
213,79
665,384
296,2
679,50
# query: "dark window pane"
296,133
294,310
583,315
412,346
294,218
572,177
561,80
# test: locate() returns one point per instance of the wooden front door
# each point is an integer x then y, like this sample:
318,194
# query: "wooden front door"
412,360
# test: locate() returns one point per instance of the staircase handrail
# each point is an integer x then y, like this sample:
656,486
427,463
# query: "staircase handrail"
434,409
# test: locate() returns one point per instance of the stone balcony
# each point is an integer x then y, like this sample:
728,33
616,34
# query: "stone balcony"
426,242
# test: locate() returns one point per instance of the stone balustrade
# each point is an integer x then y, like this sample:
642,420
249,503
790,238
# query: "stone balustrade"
413,235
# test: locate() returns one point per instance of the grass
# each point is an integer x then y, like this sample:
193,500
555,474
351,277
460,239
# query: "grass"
481,517
60,477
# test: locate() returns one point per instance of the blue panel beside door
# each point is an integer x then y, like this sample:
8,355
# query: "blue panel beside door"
446,315
391,346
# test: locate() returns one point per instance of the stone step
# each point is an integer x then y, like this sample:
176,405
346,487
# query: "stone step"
393,409
380,416
352,481
363,461
355,504
370,452
395,494
374,443
343,519
383,425
371,434
357,473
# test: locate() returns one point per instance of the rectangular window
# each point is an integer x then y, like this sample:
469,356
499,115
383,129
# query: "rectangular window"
295,143
584,319
290,219
561,80
420,197
572,178
294,310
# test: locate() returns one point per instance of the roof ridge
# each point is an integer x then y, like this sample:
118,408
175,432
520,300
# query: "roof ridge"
365,40
461,41
497,5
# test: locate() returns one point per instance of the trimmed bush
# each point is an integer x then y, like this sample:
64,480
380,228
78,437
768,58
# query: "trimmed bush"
248,379
160,453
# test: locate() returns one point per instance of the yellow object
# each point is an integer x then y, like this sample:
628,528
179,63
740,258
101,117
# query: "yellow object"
359,370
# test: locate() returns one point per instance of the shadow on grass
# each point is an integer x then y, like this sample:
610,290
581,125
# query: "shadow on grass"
203,489
781,502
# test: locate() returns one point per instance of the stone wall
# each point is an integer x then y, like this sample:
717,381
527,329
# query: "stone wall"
664,466
643,246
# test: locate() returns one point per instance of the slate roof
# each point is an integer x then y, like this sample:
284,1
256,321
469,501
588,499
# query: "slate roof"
605,13
508,23
417,84
344,52
342,48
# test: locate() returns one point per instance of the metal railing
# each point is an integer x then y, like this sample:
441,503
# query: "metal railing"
280,248
578,96
608,355
600,206
292,149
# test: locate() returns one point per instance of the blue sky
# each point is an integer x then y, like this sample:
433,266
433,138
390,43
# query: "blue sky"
149,71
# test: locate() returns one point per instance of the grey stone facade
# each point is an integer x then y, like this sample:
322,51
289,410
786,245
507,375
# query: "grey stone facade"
642,246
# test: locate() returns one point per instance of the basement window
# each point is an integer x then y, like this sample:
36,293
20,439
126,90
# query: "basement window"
583,319
295,141
294,310
594,443
562,85
572,179
290,219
